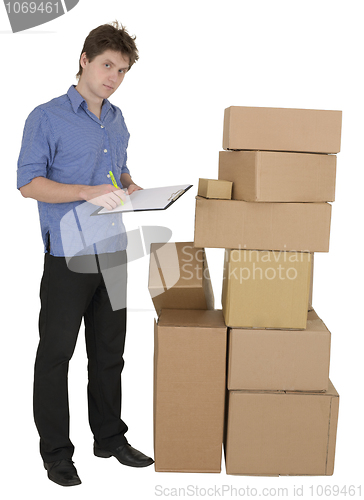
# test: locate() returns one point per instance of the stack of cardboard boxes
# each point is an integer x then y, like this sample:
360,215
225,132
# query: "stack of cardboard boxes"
269,209
282,408
190,340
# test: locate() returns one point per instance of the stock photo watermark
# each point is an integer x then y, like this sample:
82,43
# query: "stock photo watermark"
246,265
254,271
228,490
24,15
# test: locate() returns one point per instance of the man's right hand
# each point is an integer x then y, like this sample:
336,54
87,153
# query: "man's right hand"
103,195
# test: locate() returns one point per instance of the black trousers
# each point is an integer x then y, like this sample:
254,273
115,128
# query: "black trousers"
67,297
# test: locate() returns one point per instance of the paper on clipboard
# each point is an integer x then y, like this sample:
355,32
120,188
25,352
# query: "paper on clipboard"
148,199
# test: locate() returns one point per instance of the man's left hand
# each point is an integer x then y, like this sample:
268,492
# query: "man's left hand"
133,187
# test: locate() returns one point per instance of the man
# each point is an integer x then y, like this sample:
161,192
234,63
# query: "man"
73,146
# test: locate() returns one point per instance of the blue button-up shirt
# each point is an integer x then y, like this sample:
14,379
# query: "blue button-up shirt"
65,142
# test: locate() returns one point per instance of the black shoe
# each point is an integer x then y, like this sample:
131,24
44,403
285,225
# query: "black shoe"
126,454
62,472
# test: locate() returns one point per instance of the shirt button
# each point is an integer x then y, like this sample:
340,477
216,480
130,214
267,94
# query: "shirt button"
105,150
102,126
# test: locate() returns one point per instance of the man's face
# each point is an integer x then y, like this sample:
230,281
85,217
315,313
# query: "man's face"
103,75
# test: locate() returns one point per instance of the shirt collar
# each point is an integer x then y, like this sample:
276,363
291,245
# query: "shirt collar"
75,97
76,100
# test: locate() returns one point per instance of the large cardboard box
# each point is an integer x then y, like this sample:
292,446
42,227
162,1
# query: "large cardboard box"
189,390
286,360
281,433
283,177
266,289
214,188
179,277
264,226
282,129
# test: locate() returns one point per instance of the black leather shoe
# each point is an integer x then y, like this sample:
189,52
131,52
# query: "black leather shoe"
62,472
126,454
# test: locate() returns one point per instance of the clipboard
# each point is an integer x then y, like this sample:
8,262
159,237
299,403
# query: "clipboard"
148,199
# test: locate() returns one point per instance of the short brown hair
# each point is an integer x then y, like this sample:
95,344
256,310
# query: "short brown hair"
109,37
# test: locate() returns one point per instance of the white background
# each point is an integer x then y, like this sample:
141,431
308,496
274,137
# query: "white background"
196,59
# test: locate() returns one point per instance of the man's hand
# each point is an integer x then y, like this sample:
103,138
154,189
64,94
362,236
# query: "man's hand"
104,195
133,187
127,182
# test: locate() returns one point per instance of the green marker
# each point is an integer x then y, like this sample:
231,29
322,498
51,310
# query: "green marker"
115,185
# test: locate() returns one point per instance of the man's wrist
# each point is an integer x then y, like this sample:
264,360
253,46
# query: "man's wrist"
126,180
82,192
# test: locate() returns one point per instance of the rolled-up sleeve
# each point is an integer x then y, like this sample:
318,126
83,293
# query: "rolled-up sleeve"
125,141
37,149
124,168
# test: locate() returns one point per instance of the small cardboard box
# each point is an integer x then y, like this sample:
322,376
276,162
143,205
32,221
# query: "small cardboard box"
282,129
283,177
213,188
283,360
189,390
266,289
179,277
264,226
281,433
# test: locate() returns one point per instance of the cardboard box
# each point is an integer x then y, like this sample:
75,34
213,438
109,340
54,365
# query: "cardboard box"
281,433
282,129
264,226
283,177
189,390
213,188
179,277
266,289
285,360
